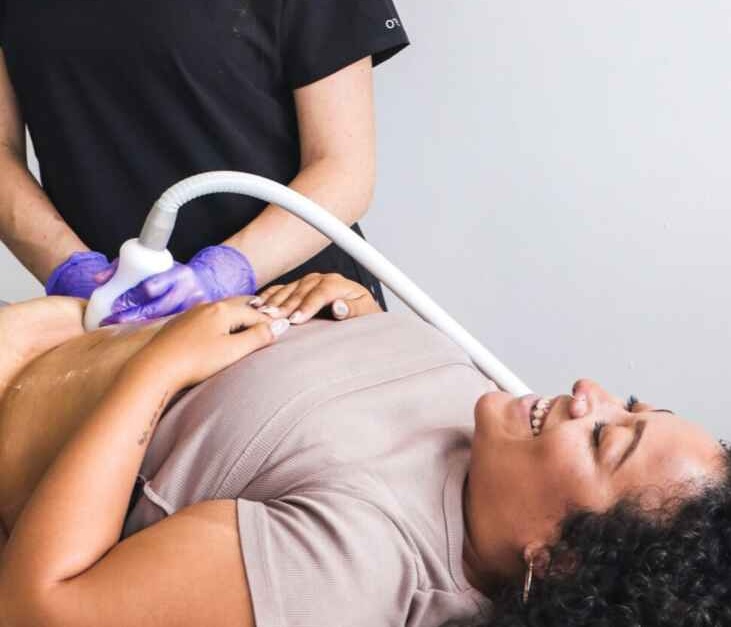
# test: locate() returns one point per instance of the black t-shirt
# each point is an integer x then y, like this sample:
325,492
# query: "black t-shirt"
124,99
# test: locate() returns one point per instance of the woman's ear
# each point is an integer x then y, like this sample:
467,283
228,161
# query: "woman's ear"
538,552
564,563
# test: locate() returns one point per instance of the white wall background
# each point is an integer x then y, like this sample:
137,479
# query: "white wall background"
556,175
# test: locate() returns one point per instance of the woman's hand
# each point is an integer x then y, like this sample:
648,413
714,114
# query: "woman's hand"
300,300
206,339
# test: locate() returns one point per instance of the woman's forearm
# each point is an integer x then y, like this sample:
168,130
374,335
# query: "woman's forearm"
277,241
30,226
77,511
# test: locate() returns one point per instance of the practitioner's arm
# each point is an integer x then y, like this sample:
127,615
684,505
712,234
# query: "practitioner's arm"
337,137
61,566
30,225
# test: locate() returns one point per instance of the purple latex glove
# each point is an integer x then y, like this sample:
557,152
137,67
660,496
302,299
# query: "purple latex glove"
214,273
103,277
75,276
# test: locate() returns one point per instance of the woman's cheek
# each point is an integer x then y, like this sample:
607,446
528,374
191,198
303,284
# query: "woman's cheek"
570,472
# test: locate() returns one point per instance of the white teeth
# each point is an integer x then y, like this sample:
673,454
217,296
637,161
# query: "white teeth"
538,414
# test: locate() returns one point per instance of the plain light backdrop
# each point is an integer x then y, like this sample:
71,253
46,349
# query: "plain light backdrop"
556,176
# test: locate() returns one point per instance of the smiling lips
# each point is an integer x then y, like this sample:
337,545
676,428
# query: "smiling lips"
538,414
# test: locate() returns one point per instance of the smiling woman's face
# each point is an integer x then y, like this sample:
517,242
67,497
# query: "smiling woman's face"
587,454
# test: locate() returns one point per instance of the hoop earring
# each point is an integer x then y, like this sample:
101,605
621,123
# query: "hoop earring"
528,581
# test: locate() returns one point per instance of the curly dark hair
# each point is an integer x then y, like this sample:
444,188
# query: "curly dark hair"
633,567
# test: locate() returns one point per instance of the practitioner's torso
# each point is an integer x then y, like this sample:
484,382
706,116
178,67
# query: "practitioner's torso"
123,99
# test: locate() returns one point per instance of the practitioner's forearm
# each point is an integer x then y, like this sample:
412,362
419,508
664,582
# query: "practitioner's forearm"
76,513
30,226
277,241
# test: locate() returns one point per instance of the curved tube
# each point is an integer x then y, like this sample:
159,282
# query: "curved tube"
161,220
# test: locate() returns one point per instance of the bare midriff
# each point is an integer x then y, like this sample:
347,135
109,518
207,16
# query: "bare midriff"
53,374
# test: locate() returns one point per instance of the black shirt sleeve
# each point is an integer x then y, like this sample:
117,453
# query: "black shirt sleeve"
320,37
2,22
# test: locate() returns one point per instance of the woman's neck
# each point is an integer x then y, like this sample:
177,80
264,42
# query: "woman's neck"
483,563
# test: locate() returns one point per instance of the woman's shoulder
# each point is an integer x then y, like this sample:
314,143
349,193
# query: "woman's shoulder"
320,540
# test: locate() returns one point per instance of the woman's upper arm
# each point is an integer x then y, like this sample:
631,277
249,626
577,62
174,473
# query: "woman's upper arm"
186,570
336,118
12,126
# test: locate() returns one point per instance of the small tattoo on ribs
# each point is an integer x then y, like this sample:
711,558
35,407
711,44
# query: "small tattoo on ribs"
155,417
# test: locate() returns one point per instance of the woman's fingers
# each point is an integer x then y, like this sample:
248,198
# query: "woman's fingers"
211,336
281,295
300,300
261,334
340,310
325,294
307,285
353,307
247,330
240,314
262,299
282,302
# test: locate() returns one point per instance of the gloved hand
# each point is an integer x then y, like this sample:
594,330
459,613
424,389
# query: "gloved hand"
75,276
214,273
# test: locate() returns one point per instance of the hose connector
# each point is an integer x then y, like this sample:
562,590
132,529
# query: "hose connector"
158,228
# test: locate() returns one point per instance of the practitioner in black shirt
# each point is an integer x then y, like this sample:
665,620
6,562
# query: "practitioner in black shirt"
124,99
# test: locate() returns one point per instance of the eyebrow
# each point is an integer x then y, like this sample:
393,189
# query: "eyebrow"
639,430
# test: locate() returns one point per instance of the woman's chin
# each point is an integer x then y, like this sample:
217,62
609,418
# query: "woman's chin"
503,413
491,407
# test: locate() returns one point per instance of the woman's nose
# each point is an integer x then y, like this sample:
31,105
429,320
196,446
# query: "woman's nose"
584,392
585,387
592,390
578,406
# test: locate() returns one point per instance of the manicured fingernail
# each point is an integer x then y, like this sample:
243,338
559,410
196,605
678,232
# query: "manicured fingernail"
296,317
340,308
279,326
255,301
269,310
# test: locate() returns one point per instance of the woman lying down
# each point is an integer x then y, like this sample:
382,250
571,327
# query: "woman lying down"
344,473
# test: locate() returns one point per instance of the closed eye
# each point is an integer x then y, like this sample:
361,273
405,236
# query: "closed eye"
597,432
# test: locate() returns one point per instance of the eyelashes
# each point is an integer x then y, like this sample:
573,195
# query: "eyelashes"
596,433
633,400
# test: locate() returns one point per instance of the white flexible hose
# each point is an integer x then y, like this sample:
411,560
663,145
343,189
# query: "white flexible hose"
166,208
